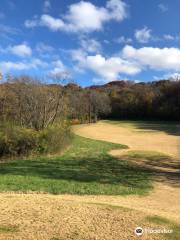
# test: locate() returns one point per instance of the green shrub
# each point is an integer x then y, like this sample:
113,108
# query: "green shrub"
54,138
15,140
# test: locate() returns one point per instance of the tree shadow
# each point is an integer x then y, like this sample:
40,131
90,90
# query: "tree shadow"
164,168
171,128
104,169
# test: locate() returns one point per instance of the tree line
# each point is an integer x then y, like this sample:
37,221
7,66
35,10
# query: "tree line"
157,100
31,103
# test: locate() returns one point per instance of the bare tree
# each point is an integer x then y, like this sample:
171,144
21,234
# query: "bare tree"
33,104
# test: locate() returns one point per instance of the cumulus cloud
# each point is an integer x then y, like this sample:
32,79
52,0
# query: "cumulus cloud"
7,31
19,66
34,22
154,58
59,71
90,45
123,39
143,35
78,55
22,50
110,68
168,37
174,76
117,9
52,23
44,48
83,17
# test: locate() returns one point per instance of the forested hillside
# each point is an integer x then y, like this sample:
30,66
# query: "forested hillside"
34,104
128,100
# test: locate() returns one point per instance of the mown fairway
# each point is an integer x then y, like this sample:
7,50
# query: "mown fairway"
85,168
106,189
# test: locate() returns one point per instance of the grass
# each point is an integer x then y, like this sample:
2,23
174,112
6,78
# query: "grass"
85,168
110,206
149,155
8,229
166,223
154,159
169,127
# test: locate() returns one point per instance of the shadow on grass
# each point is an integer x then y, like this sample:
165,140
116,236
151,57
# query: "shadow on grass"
172,128
105,169
87,164
167,127
163,167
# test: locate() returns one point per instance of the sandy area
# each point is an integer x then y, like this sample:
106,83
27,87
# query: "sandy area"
165,199
48,217
136,139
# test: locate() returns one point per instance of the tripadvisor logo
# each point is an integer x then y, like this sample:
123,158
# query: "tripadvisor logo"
138,231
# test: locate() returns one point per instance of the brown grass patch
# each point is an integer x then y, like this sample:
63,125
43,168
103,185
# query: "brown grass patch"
136,139
47,217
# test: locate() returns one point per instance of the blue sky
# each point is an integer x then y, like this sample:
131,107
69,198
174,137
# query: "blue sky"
91,42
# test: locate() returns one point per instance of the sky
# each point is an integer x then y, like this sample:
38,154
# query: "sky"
90,42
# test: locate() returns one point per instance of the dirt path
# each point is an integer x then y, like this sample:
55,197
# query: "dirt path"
134,138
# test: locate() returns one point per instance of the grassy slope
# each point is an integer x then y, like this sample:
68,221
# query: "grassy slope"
86,168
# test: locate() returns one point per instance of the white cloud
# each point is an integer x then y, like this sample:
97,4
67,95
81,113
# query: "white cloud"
175,76
110,68
7,31
21,50
154,58
54,24
143,35
90,45
162,7
118,9
46,6
99,80
59,71
123,39
32,23
169,37
83,17
19,66
44,48
78,55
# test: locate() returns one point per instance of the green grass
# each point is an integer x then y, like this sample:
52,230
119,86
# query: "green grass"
149,155
8,229
110,206
168,224
85,168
